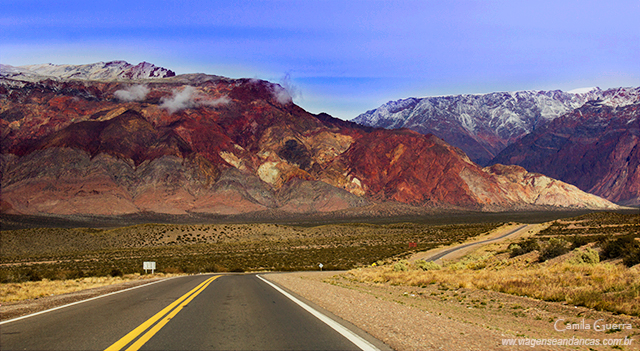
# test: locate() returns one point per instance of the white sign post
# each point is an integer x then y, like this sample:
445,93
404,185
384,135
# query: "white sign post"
148,265
320,265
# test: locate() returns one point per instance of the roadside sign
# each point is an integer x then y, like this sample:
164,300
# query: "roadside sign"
320,265
148,265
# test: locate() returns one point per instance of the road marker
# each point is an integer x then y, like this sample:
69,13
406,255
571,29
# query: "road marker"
164,316
351,336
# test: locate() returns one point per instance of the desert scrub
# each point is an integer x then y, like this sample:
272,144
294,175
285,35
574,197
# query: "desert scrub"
626,247
401,266
602,286
426,265
523,247
553,248
586,256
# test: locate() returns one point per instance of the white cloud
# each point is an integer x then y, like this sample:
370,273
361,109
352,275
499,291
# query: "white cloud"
215,102
281,94
132,93
189,97
286,91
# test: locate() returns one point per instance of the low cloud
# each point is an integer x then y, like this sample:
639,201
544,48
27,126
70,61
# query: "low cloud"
286,91
215,102
132,93
180,100
189,97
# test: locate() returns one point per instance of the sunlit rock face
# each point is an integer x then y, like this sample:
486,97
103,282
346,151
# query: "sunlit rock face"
113,141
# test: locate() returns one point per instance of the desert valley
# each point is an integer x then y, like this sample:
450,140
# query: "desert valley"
493,215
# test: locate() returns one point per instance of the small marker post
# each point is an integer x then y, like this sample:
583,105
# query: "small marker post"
320,265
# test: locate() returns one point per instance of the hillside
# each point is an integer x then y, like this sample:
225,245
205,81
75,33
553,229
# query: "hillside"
141,143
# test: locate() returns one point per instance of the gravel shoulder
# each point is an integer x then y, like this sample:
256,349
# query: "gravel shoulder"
425,318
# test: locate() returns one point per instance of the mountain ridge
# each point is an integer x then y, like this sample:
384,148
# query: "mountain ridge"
112,70
596,147
208,144
484,124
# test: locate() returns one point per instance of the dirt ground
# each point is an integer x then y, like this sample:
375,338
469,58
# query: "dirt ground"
415,318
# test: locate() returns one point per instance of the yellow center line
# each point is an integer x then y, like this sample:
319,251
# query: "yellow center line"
118,345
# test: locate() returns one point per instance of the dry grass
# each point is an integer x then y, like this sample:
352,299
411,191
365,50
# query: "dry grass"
577,277
33,290
604,286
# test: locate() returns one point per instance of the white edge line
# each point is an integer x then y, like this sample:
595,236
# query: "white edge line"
82,301
351,336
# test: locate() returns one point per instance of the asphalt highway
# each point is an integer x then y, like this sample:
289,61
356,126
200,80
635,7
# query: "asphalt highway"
201,312
454,249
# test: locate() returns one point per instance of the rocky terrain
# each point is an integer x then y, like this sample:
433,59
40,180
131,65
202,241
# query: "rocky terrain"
482,125
114,139
595,147
493,128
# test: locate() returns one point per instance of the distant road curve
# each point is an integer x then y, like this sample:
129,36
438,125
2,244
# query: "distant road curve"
444,253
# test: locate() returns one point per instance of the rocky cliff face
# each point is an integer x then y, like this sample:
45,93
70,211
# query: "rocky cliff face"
595,147
86,144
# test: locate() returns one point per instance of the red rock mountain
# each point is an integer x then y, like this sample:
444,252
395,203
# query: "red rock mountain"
595,147
207,144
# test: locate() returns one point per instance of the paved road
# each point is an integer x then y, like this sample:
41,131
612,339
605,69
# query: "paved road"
440,255
204,312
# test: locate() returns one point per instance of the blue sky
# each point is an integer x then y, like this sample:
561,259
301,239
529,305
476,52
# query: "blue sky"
344,57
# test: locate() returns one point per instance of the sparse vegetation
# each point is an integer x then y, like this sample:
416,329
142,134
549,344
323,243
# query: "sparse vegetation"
426,266
554,248
33,290
541,267
55,254
524,247
586,256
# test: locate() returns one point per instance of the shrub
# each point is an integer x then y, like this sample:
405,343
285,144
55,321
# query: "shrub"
587,256
554,248
633,258
627,248
616,248
523,247
579,241
401,266
427,266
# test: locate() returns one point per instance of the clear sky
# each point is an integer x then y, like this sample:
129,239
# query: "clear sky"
344,57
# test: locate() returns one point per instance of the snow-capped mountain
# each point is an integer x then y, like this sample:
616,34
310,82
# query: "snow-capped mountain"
114,70
483,125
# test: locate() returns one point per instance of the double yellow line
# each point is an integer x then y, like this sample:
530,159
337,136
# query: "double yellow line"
163,316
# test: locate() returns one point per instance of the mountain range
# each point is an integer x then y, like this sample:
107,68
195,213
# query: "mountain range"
113,138
587,138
